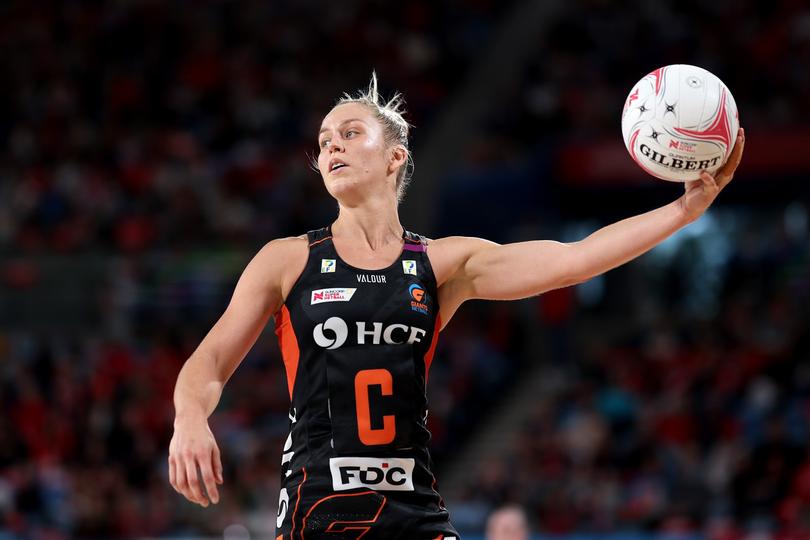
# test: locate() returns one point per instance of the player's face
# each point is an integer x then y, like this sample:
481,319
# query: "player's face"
353,157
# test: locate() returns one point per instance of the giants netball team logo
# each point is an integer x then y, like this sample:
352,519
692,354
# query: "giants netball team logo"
418,298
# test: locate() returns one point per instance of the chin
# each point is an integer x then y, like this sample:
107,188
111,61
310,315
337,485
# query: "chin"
341,187
348,193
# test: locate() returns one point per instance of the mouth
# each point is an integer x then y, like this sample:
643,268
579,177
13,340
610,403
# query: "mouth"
336,165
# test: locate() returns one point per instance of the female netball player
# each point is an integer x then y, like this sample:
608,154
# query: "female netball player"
358,306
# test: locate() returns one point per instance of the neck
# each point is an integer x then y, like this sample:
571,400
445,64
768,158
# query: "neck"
375,223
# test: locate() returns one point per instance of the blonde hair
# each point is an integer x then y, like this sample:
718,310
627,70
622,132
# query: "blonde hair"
395,128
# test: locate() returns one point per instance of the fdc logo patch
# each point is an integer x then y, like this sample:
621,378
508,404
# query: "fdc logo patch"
386,474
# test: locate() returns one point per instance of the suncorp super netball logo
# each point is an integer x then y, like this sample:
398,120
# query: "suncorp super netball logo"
331,295
417,298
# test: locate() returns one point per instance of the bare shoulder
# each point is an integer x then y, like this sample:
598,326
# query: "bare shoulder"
281,262
448,254
288,245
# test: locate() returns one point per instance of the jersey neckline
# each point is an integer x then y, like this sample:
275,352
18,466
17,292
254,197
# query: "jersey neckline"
357,268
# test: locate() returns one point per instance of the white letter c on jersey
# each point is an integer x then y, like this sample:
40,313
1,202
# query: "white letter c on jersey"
335,325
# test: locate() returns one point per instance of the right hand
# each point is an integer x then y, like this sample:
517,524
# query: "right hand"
192,447
702,192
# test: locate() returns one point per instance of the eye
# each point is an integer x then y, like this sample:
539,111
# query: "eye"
324,143
350,133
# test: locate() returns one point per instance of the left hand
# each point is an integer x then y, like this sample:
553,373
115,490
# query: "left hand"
700,194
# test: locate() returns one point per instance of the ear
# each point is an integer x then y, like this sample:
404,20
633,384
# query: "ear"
397,158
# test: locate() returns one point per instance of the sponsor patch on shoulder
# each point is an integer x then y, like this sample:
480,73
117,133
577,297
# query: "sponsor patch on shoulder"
381,474
331,295
327,266
409,266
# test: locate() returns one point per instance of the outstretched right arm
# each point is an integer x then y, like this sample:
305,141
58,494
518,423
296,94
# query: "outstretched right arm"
258,295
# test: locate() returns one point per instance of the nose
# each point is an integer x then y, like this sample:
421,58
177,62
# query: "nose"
335,144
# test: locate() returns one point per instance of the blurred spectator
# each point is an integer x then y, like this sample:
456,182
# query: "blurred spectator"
507,523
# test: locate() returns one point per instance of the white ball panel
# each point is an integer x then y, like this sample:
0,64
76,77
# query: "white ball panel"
679,120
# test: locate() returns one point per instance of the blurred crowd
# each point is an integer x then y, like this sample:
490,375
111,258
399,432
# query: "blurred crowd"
174,141
570,93
177,141
87,421
678,420
145,124
580,71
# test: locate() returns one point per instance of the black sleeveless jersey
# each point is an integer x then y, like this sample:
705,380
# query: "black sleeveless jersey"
357,346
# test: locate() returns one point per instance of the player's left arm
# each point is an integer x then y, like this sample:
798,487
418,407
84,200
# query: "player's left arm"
487,270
